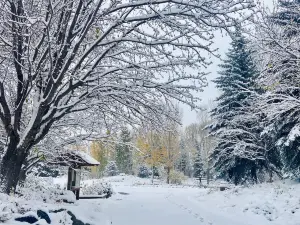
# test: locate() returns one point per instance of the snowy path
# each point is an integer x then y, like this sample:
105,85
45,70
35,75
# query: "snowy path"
146,205
137,202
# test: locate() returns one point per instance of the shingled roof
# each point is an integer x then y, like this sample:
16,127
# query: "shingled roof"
75,159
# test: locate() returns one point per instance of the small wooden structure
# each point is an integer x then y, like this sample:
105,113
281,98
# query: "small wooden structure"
75,160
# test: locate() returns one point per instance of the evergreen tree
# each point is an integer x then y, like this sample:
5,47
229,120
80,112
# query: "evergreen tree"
111,169
182,160
282,102
123,152
185,160
198,164
288,16
239,152
155,172
143,172
183,163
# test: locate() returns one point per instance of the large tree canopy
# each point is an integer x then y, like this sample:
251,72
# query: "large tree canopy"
278,42
128,58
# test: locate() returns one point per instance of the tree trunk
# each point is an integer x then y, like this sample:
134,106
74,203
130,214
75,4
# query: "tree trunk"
22,176
168,175
10,168
270,176
207,175
152,177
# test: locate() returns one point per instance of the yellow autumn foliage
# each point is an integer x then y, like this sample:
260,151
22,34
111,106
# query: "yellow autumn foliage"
154,150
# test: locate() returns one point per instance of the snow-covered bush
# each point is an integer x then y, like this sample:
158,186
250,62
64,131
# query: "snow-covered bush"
44,170
97,187
7,207
143,171
176,177
162,172
156,172
111,169
42,189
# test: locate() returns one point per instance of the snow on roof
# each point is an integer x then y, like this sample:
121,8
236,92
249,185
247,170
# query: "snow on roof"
86,157
74,159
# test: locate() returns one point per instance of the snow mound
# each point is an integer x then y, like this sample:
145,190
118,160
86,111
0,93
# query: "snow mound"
8,206
96,187
277,202
43,189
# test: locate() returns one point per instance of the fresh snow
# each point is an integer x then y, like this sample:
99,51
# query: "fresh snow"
139,202
86,157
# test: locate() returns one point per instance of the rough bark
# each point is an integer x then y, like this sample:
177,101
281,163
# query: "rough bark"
10,169
200,180
22,176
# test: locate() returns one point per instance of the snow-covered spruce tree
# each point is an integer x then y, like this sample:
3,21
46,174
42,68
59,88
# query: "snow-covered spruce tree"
185,160
111,169
117,58
239,153
183,163
198,164
279,36
124,152
143,171
287,15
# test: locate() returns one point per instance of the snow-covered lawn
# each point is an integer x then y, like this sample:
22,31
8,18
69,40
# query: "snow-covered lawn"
137,202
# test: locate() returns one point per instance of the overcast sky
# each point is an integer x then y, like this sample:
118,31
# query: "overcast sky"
210,93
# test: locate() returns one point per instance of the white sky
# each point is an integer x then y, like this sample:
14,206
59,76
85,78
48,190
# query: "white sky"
210,92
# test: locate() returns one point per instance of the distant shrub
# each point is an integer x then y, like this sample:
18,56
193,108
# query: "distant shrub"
143,171
97,187
111,169
177,177
156,172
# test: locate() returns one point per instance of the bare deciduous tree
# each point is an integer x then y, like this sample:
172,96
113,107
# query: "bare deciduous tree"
126,57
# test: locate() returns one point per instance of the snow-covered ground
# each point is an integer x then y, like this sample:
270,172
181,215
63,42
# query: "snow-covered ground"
137,202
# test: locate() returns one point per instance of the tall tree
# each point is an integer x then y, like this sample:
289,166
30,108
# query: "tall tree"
239,151
118,58
124,152
100,153
170,140
198,164
183,163
278,35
